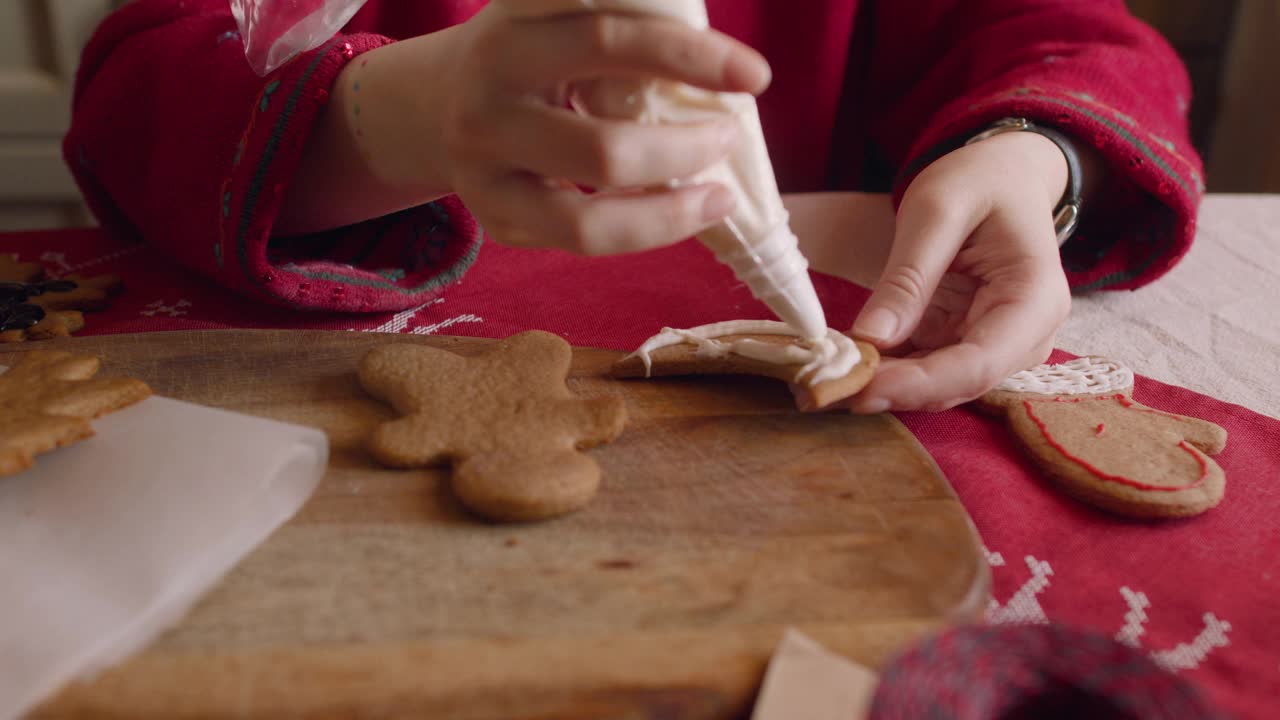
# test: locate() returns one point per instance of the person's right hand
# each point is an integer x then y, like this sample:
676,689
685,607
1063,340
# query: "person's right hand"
480,110
516,151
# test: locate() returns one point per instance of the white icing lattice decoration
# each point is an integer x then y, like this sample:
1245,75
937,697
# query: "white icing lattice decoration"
1082,376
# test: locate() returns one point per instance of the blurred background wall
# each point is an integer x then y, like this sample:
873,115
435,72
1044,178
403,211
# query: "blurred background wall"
1230,48
1231,51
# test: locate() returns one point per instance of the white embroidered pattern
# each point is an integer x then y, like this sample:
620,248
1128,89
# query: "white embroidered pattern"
1183,656
1135,620
443,324
1188,656
994,559
399,323
1082,376
58,261
58,265
1023,607
159,307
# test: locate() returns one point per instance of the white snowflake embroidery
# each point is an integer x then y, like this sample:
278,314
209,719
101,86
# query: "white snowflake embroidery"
1183,656
399,323
58,261
159,307
59,266
1134,620
1024,607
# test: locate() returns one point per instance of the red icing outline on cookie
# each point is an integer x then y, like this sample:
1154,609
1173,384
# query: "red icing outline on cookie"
1100,474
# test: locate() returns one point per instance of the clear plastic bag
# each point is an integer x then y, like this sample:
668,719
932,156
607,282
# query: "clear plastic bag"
274,31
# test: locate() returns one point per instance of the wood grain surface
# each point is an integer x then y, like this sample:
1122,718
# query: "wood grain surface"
724,518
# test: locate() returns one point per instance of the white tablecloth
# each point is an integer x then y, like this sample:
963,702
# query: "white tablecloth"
1213,323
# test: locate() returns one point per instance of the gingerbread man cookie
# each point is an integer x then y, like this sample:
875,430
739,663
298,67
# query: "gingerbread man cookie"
60,323
821,372
77,292
11,270
33,308
505,419
47,401
1079,422
22,320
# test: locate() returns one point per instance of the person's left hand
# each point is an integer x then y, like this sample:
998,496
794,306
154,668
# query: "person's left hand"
974,289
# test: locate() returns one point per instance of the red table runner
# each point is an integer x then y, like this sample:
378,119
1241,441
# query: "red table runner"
1199,595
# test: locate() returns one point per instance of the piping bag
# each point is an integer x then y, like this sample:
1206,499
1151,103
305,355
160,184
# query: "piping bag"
756,241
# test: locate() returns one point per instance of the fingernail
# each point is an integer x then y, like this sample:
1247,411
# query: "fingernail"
751,75
879,324
873,406
718,203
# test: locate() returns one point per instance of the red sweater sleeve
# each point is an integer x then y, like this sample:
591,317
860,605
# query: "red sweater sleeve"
174,139
945,69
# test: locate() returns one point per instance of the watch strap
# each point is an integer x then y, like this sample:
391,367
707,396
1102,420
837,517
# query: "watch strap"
1066,216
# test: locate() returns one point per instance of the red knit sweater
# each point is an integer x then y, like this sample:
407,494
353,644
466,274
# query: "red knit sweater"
176,140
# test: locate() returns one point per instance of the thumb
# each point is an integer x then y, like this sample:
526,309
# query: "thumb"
929,234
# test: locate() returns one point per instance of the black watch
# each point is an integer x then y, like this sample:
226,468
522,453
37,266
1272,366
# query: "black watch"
1066,217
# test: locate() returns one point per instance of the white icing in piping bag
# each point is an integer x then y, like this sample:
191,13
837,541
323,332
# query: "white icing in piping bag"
756,240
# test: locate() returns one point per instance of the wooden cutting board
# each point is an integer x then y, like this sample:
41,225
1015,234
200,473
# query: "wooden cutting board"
725,517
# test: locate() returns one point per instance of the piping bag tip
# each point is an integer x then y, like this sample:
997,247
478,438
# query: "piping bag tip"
798,306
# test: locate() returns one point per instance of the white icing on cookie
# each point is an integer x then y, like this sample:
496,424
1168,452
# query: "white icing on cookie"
1082,376
825,358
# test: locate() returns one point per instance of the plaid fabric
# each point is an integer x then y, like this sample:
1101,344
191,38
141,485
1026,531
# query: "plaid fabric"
1028,672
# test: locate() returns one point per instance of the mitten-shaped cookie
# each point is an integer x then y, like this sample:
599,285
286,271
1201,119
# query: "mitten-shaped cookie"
505,419
1080,424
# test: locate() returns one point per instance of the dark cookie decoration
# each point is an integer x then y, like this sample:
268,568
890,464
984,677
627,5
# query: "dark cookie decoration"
18,314
35,308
